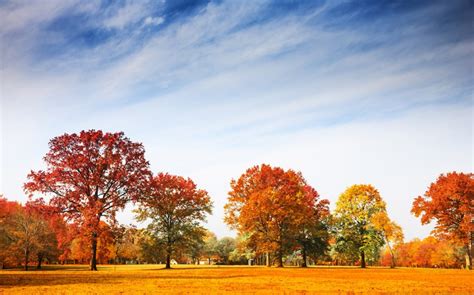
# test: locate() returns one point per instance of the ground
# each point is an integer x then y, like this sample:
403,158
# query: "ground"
128,279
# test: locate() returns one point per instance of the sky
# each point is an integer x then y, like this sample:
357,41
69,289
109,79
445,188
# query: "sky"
377,92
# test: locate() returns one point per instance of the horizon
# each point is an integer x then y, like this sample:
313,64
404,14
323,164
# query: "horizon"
376,93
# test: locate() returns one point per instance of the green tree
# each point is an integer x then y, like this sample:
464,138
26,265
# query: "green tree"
224,248
355,230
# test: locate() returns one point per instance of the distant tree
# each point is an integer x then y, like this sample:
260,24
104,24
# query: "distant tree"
175,207
47,245
391,232
356,231
242,252
91,175
126,243
7,210
151,249
450,201
30,235
270,204
224,248
210,245
429,252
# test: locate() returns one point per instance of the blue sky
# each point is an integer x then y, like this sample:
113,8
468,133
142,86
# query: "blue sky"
346,92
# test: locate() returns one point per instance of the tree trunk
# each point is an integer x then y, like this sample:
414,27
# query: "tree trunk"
93,261
468,257
392,255
280,257
267,259
27,258
168,261
304,257
40,260
362,259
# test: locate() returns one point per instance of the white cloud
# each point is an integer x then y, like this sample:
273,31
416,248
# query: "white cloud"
209,97
154,21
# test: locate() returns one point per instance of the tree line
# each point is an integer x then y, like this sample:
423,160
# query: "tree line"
279,217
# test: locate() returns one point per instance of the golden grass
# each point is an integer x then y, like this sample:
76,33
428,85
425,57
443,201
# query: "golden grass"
152,279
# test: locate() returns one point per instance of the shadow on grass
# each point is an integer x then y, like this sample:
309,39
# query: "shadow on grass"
30,279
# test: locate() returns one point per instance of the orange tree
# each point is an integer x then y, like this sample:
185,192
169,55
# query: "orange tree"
90,176
356,231
391,232
176,207
450,201
270,205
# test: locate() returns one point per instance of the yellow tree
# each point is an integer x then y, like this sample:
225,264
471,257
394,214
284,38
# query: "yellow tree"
356,232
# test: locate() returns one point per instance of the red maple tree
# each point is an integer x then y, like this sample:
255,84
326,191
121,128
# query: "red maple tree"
176,207
450,201
90,176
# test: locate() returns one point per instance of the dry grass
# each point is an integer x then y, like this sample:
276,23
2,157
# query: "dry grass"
153,279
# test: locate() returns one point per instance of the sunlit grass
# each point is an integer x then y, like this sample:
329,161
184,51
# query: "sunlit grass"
74,279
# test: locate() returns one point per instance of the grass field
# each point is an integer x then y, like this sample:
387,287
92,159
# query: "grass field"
240,279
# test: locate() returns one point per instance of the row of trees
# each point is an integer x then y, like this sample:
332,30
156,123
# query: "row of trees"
30,234
91,175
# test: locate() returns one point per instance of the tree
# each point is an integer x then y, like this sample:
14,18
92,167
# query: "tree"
176,207
313,235
29,234
269,204
47,245
450,201
224,247
90,176
7,211
210,245
391,232
356,231
127,243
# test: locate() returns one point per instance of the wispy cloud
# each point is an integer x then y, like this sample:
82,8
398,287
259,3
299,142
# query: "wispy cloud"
344,92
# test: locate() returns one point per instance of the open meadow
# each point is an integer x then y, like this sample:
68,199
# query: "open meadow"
236,279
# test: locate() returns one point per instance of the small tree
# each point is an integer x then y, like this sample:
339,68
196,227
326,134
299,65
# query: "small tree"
391,232
176,207
225,246
90,176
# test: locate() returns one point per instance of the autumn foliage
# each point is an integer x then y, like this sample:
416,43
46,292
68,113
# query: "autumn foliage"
279,217
450,201
175,207
273,206
90,176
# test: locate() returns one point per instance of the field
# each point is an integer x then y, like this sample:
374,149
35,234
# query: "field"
240,279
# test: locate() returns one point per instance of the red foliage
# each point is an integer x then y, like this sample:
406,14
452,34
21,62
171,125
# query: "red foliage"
450,201
90,176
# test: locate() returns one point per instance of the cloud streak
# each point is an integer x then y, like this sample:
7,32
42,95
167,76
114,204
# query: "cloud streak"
373,93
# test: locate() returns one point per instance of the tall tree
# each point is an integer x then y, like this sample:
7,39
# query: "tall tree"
270,204
450,201
176,207
356,231
90,176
